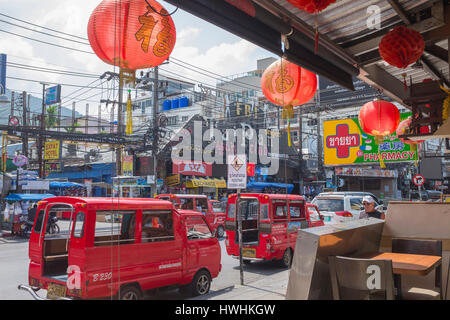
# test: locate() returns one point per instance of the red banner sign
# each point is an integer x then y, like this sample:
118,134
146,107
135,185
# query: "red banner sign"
192,168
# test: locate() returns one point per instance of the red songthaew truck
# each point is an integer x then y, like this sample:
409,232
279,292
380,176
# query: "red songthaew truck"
121,248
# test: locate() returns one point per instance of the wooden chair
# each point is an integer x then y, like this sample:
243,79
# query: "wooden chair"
361,279
424,247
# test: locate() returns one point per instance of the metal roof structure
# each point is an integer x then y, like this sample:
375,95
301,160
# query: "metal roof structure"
349,34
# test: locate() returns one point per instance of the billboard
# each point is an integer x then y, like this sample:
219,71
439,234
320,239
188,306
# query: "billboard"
53,95
127,165
52,150
345,143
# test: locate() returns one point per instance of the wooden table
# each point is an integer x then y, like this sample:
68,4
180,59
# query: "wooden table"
408,264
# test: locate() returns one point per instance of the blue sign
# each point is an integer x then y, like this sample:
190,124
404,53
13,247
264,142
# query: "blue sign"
3,73
53,95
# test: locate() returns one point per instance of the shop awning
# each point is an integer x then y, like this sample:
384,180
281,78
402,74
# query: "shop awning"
262,185
211,183
28,197
58,184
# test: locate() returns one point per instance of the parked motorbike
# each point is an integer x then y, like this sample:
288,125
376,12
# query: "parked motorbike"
52,226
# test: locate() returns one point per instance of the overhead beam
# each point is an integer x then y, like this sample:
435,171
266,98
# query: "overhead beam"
431,69
380,79
437,52
399,10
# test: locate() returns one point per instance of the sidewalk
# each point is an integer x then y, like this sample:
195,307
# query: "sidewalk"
271,287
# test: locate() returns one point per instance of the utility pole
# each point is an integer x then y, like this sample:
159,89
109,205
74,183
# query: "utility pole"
319,147
120,130
12,104
25,124
41,136
300,148
155,125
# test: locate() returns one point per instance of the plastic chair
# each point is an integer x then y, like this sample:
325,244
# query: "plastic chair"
424,247
361,279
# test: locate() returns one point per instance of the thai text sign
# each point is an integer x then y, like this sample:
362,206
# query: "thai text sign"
345,143
52,150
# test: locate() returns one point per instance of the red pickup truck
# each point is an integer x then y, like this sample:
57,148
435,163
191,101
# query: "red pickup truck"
214,213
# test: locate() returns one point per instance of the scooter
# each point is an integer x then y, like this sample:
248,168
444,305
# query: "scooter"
52,226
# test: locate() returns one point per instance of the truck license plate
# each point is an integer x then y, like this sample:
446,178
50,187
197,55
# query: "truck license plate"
55,291
249,252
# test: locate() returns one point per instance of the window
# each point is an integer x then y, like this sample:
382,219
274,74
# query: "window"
38,226
313,214
114,227
157,225
280,210
355,203
330,204
187,203
231,211
265,212
202,205
78,225
197,228
249,209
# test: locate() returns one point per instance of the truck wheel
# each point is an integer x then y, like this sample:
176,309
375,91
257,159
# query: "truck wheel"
220,232
287,258
130,292
246,262
201,283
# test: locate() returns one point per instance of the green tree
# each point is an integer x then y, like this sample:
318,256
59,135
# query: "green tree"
51,119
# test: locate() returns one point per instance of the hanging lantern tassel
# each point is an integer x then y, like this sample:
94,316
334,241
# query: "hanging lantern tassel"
379,140
405,85
288,113
129,129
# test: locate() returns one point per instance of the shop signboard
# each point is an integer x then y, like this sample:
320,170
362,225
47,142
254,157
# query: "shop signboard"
53,166
363,172
52,150
345,143
127,166
173,180
192,168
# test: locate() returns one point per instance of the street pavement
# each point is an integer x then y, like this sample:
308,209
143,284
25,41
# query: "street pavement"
262,280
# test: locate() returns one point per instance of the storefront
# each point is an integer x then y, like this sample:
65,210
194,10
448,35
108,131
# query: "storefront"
208,186
131,187
381,182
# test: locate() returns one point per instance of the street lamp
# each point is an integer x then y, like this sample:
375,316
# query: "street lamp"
4,100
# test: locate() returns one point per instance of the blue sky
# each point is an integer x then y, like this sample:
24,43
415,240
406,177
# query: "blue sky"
198,43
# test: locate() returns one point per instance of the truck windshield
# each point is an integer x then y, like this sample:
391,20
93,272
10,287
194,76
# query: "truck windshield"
330,204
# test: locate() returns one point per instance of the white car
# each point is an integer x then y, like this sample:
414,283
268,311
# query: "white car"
337,208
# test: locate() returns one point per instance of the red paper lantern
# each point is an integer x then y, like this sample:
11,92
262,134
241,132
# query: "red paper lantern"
312,6
401,47
286,84
130,34
379,118
403,128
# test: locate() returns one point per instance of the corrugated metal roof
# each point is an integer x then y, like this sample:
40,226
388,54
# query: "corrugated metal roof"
345,23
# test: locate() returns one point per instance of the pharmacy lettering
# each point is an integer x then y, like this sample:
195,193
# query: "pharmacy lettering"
346,143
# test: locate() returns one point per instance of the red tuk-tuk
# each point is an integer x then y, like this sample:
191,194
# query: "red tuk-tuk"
121,248
200,203
270,224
